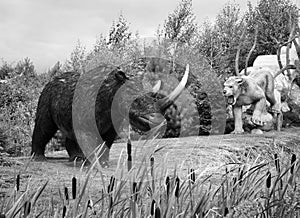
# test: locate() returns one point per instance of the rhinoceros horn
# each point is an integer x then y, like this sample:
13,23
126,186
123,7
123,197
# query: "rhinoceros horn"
157,86
168,100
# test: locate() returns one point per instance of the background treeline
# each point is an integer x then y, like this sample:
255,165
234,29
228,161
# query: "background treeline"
210,47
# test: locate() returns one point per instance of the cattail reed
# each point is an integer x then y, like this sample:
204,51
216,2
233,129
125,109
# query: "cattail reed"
129,157
152,166
193,176
293,160
111,184
168,185
157,213
66,193
134,190
177,184
27,207
241,177
226,211
18,182
277,165
234,180
64,211
268,181
89,204
74,181
152,207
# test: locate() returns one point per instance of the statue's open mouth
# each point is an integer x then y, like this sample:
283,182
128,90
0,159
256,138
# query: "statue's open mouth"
231,100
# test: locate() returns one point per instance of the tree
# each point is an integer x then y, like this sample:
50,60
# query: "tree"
180,25
219,41
100,44
273,19
6,70
55,70
119,33
77,60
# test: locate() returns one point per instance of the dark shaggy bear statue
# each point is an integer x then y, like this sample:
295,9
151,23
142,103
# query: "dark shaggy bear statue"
56,110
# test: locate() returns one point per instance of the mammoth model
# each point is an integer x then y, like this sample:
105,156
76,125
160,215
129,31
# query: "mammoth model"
59,100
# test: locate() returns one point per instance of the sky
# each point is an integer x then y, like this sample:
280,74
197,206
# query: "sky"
47,31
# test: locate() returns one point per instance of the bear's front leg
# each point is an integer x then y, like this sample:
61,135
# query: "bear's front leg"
238,122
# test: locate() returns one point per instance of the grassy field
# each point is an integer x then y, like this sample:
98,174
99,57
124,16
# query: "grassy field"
214,162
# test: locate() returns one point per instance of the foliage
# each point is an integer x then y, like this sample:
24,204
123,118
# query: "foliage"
119,33
5,70
18,101
180,25
219,41
77,60
56,70
274,19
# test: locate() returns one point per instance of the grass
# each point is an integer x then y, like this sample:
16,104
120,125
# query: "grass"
256,187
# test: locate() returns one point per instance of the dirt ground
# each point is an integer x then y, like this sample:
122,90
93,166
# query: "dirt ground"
204,154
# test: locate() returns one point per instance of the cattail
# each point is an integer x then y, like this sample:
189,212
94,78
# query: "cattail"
27,207
168,185
226,211
18,182
277,163
293,163
129,157
177,183
89,204
241,177
157,213
110,203
152,207
111,184
66,193
193,176
134,189
129,146
268,181
74,181
64,211
152,166
234,180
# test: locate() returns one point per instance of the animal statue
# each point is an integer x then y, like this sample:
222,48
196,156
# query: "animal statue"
255,89
283,81
59,100
265,70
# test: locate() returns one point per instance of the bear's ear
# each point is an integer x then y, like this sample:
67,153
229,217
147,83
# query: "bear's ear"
239,80
120,75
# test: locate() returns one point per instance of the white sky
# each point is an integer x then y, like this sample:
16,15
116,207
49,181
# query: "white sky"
46,31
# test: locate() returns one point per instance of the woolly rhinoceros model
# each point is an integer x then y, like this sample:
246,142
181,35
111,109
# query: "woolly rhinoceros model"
87,110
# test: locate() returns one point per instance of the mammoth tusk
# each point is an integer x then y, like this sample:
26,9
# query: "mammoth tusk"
177,91
157,86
